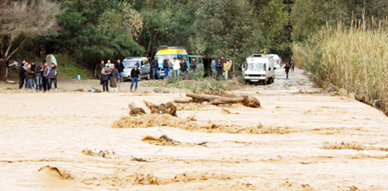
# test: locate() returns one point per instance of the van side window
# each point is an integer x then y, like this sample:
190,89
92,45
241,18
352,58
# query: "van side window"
265,67
199,60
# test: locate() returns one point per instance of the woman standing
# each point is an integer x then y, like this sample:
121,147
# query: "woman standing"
29,77
135,77
114,77
105,78
177,66
53,76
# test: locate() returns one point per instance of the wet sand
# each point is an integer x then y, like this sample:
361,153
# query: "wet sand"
330,143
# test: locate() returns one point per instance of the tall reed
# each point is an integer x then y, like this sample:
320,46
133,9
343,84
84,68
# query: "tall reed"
354,58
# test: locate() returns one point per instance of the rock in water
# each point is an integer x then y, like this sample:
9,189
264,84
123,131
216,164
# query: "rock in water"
343,92
352,96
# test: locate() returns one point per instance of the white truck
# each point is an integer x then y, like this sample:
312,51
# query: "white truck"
277,64
259,67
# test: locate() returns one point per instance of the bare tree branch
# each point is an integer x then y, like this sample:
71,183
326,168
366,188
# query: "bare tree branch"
22,20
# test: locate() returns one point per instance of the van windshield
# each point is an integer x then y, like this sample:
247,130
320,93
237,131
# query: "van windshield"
129,64
256,66
162,57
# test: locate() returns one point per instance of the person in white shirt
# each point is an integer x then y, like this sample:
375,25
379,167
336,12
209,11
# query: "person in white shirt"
109,64
176,66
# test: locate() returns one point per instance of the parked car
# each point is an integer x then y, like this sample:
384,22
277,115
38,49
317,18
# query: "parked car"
143,65
259,67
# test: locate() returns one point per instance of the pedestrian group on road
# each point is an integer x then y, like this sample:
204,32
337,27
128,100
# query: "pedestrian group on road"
42,76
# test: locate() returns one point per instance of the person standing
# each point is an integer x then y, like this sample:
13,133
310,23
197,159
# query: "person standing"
25,69
226,69
53,76
154,67
22,75
120,68
287,69
292,65
105,78
171,71
102,66
29,77
33,66
135,77
165,67
231,65
213,65
193,65
222,60
46,76
184,66
108,63
219,68
38,76
177,66
114,78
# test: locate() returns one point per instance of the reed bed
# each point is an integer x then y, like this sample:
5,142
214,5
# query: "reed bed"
354,58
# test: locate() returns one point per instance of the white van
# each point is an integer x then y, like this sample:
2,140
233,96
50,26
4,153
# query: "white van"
259,67
277,64
142,63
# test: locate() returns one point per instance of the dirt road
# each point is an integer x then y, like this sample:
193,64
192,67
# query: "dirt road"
304,140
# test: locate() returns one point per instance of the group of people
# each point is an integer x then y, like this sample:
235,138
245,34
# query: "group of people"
111,74
222,66
177,67
288,66
42,76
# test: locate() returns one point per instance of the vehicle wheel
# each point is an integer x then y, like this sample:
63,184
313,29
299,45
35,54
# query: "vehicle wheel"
265,82
148,76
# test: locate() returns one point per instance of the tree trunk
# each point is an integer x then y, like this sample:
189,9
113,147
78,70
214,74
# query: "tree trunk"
216,100
3,69
207,67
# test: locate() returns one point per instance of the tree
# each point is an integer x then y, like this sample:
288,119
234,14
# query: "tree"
229,27
97,29
309,16
21,21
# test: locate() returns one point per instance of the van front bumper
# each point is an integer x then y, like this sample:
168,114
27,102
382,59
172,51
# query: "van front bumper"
255,77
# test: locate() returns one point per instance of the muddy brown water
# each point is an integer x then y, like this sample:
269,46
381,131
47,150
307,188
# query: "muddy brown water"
43,136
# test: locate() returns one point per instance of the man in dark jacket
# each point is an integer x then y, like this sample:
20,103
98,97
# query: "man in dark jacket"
105,78
29,77
183,66
287,68
38,76
120,68
33,66
154,67
219,68
193,65
135,77
102,66
22,75
166,66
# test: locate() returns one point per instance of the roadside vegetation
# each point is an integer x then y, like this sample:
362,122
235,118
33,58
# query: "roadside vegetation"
353,58
198,84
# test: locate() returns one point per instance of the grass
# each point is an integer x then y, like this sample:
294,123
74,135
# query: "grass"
353,58
71,69
199,84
